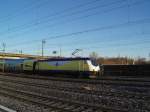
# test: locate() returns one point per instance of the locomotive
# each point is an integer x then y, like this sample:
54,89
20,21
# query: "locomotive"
70,67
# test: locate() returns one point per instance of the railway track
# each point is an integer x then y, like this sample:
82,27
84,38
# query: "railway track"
140,88
122,81
104,99
86,87
87,98
6,109
54,103
98,93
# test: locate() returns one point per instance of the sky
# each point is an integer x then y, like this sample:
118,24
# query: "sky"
107,27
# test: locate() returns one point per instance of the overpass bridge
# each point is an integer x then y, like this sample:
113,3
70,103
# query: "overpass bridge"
18,56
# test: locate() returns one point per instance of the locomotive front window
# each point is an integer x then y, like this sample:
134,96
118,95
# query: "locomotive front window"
94,62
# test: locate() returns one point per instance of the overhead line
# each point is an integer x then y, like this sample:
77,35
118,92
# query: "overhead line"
101,42
54,14
85,10
116,45
110,43
20,12
109,47
125,24
66,21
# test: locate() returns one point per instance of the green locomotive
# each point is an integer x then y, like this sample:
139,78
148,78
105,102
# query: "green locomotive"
77,67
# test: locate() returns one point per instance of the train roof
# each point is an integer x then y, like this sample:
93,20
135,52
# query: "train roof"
64,59
9,59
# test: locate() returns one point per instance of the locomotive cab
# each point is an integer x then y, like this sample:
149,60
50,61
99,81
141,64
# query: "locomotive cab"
94,68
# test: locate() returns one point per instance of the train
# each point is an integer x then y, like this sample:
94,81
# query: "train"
70,67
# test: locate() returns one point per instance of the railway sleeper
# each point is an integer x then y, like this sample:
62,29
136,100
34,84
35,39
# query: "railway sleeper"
76,103
103,93
103,101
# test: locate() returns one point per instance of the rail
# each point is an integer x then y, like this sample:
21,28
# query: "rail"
5,109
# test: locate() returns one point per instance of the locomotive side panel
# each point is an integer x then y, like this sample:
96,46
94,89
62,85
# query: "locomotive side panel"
77,65
71,67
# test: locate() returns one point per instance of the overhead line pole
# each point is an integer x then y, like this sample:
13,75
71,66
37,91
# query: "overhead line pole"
43,42
3,49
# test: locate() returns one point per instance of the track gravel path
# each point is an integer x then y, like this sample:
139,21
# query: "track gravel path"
81,95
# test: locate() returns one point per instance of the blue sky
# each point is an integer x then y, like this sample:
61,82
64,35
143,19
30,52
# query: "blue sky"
108,27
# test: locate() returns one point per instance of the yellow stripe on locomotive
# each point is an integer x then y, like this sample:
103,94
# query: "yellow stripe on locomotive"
75,65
